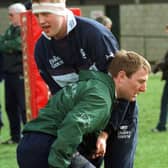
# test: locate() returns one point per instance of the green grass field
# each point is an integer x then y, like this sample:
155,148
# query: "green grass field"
152,149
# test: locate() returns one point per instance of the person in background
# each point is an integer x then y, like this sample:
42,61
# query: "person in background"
1,78
106,21
66,46
163,67
10,48
79,109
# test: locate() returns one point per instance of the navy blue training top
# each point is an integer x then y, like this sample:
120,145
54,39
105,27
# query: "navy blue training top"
88,46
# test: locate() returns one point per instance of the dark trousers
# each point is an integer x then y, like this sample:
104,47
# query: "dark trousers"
1,123
1,77
79,161
33,151
121,144
15,104
164,108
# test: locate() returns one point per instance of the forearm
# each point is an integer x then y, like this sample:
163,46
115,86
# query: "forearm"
69,136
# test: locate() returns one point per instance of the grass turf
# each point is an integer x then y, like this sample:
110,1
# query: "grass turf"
152,148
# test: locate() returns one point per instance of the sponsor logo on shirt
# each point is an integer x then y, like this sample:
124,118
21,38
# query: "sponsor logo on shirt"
124,132
56,62
83,53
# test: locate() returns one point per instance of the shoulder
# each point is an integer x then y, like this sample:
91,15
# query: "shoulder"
42,39
91,31
41,43
88,25
40,47
97,90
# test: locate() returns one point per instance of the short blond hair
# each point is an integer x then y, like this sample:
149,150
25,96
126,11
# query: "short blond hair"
128,61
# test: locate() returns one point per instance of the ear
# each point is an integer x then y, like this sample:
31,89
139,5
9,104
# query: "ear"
121,76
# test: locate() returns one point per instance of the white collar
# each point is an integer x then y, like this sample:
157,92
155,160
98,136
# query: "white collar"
71,21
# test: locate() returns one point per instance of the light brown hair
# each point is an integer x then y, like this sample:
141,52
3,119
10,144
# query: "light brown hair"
128,61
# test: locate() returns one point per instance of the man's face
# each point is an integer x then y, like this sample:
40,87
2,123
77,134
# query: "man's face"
53,25
14,18
129,88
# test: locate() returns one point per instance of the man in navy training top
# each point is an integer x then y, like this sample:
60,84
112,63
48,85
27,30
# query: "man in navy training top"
69,44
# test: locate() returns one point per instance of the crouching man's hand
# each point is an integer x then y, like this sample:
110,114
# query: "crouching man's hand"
100,145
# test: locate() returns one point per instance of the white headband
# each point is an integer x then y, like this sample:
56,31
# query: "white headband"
55,8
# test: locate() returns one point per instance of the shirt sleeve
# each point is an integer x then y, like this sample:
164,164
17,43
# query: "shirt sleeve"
91,114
